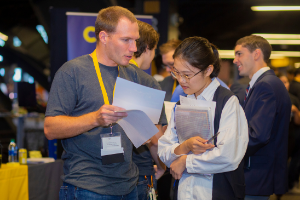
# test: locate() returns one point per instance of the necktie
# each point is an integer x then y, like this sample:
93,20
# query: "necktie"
247,91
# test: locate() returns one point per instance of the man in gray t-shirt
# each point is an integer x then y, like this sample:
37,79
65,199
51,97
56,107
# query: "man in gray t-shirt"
77,113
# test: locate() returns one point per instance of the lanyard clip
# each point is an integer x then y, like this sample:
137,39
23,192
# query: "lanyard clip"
111,126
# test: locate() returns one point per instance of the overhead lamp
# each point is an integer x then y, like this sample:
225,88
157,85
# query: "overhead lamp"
274,54
275,8
2,72
226,53
42,32
279,36
3,36
288,53
18,75
2,42
284,42
1,58
16,41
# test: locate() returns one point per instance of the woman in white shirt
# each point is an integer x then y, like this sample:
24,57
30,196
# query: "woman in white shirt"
206,171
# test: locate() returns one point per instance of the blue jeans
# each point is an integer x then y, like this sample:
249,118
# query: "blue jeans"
71,192
142,186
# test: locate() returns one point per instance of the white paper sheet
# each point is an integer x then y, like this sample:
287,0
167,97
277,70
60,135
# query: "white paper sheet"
199,103
169,106
133,96
138,127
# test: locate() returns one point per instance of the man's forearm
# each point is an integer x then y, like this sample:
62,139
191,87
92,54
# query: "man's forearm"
158,162
61,127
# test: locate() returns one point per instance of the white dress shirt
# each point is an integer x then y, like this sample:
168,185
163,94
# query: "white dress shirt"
257,75
231,147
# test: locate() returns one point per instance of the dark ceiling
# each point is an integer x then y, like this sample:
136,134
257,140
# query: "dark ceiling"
220,21
224,22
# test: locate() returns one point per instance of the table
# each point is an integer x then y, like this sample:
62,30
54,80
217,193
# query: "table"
14,182
33,182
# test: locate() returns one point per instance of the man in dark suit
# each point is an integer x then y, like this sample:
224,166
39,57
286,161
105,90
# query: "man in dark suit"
267,107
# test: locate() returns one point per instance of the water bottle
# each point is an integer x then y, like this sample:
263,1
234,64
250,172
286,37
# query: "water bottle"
12,151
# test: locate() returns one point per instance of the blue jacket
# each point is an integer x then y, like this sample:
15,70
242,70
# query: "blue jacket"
267,109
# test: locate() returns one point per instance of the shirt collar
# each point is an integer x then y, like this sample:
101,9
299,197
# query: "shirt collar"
257,75
208,92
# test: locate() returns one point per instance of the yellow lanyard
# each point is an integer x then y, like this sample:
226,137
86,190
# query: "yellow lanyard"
97,68
174,86
133,62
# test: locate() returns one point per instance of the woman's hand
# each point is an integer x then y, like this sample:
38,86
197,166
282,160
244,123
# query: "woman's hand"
197,145
178,166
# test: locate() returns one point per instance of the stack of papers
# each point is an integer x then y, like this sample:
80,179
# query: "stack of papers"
194,118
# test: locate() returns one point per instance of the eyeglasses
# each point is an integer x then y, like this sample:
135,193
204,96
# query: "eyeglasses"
170,66
176,74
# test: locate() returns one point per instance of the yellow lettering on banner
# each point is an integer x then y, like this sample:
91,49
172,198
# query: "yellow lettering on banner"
86,32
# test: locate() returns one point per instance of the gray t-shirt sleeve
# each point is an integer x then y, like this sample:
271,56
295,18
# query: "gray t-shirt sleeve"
62,97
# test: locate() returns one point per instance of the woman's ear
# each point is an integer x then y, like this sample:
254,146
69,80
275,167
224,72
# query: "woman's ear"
209,70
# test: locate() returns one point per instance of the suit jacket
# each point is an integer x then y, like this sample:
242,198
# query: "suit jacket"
267,109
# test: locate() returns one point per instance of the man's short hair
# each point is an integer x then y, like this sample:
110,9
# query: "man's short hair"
108,18
148,38
253,42
171,45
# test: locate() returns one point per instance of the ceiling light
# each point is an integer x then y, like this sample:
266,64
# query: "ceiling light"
16,41
279,36
43,33
275,8
3,36
284,42
274,54
2,42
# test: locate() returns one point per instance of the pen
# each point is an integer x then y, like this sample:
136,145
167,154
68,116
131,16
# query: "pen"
213,137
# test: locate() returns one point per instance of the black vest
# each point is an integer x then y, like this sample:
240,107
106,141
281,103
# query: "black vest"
226,185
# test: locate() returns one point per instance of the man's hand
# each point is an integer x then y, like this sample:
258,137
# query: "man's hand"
106,115
178,166
197,145
158,172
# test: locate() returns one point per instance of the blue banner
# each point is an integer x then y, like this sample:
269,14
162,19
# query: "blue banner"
81,33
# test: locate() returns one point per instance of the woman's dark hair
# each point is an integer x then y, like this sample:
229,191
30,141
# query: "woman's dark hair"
199,53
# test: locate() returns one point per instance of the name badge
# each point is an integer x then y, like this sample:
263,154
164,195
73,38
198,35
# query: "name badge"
112,150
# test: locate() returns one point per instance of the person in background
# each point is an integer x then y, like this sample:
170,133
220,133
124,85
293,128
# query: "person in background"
290,74
169,83
143,155
79,112
267,107
294,140
206,171
295,84
161,72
